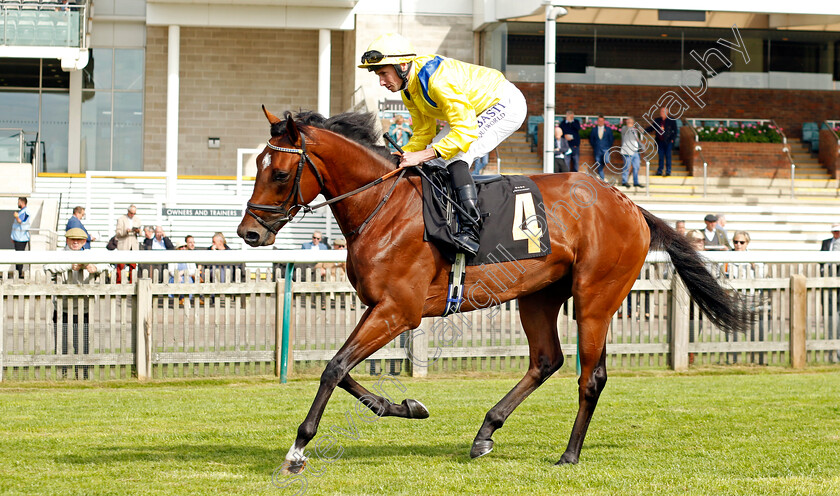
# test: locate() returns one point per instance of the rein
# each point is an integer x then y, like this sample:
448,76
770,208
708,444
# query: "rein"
296,195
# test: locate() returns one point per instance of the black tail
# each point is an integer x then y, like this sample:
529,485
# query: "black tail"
727,309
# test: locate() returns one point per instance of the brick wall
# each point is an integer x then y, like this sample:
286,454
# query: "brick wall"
829,150
790,108
734,159
225,75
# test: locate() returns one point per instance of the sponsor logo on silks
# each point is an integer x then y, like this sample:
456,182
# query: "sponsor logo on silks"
491,115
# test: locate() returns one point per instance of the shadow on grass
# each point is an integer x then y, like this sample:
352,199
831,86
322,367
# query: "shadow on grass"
256,458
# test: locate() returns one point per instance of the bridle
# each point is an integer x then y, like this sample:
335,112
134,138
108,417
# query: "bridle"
296,195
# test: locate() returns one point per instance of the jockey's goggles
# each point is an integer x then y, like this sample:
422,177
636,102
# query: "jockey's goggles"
375,56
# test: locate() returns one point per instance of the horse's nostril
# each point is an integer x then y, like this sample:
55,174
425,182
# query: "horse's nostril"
252,237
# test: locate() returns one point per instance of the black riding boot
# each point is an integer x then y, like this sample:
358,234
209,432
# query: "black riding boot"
467,237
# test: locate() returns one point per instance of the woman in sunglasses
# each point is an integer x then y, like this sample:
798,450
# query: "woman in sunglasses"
481,109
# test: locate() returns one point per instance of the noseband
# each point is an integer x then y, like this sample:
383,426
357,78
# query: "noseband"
295,194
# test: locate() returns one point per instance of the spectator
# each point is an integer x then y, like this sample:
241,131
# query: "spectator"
128,228
220,243
562,151
697,240
400,131
571,129
182,272
64,273
680,227
157,242
189,242
741,241
713,238
75,220
630,151
721,225
316,243
149,232
20,230
833,324
601,138
830,244
666,133
333,269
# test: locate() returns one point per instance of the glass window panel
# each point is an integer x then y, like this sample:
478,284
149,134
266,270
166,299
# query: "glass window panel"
53,76
96,130
793,56
128,131
55,111
20,73
128,69
97,74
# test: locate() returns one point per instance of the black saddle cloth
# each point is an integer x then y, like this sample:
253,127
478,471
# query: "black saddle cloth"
514,225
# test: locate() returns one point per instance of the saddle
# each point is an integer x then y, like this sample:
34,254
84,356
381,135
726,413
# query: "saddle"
514,217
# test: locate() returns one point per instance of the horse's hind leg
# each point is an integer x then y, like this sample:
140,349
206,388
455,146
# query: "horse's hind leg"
593,378
595,303
538,313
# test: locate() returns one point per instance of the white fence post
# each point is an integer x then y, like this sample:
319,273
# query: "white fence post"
143,329
678,315
418,349
798,320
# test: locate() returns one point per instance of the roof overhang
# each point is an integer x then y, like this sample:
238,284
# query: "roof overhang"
276,14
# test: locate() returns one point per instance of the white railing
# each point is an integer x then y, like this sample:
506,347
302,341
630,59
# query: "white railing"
235,325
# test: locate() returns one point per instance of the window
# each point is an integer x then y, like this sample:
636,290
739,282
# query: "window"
112,110
35,100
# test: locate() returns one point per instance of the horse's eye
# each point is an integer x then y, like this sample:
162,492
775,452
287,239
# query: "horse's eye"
280,176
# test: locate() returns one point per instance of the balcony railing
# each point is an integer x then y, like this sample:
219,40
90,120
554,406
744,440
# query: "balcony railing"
42,24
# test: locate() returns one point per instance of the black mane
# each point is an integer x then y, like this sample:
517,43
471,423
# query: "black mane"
356,126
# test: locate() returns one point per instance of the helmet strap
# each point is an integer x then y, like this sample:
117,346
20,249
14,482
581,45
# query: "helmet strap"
403,74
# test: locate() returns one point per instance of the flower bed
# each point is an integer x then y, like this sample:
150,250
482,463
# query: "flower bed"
587,127
743,133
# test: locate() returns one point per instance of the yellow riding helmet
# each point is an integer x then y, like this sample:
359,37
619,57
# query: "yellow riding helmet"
388,49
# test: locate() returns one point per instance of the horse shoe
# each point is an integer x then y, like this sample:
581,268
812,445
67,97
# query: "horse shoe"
416,410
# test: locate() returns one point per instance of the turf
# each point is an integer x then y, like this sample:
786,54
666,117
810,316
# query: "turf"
732,432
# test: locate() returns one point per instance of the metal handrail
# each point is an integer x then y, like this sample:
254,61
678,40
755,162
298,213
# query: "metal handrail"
699,149
786,151
692,121
81,8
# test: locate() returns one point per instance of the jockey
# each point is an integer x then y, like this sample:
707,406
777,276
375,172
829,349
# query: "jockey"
480,107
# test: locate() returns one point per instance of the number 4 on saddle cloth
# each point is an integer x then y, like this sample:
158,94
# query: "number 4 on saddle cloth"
514,225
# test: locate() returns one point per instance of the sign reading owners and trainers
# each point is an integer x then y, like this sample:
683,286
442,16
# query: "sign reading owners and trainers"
202,212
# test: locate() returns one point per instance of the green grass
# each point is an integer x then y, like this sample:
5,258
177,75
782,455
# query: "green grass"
733,431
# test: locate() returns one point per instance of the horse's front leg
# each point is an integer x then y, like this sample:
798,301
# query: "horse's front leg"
379,324
384,406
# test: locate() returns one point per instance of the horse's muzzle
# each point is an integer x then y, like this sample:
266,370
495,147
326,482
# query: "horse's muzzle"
254,235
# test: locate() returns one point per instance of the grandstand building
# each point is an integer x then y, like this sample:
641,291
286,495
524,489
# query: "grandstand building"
162,97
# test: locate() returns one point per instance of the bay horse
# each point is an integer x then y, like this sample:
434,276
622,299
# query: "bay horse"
599,240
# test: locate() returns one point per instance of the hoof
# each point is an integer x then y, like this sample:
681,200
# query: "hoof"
567,459
416,410
481,448
292,467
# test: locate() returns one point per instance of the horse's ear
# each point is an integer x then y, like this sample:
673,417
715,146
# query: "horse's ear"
292,129
272,119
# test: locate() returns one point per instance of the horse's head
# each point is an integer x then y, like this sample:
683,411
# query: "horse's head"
286,181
